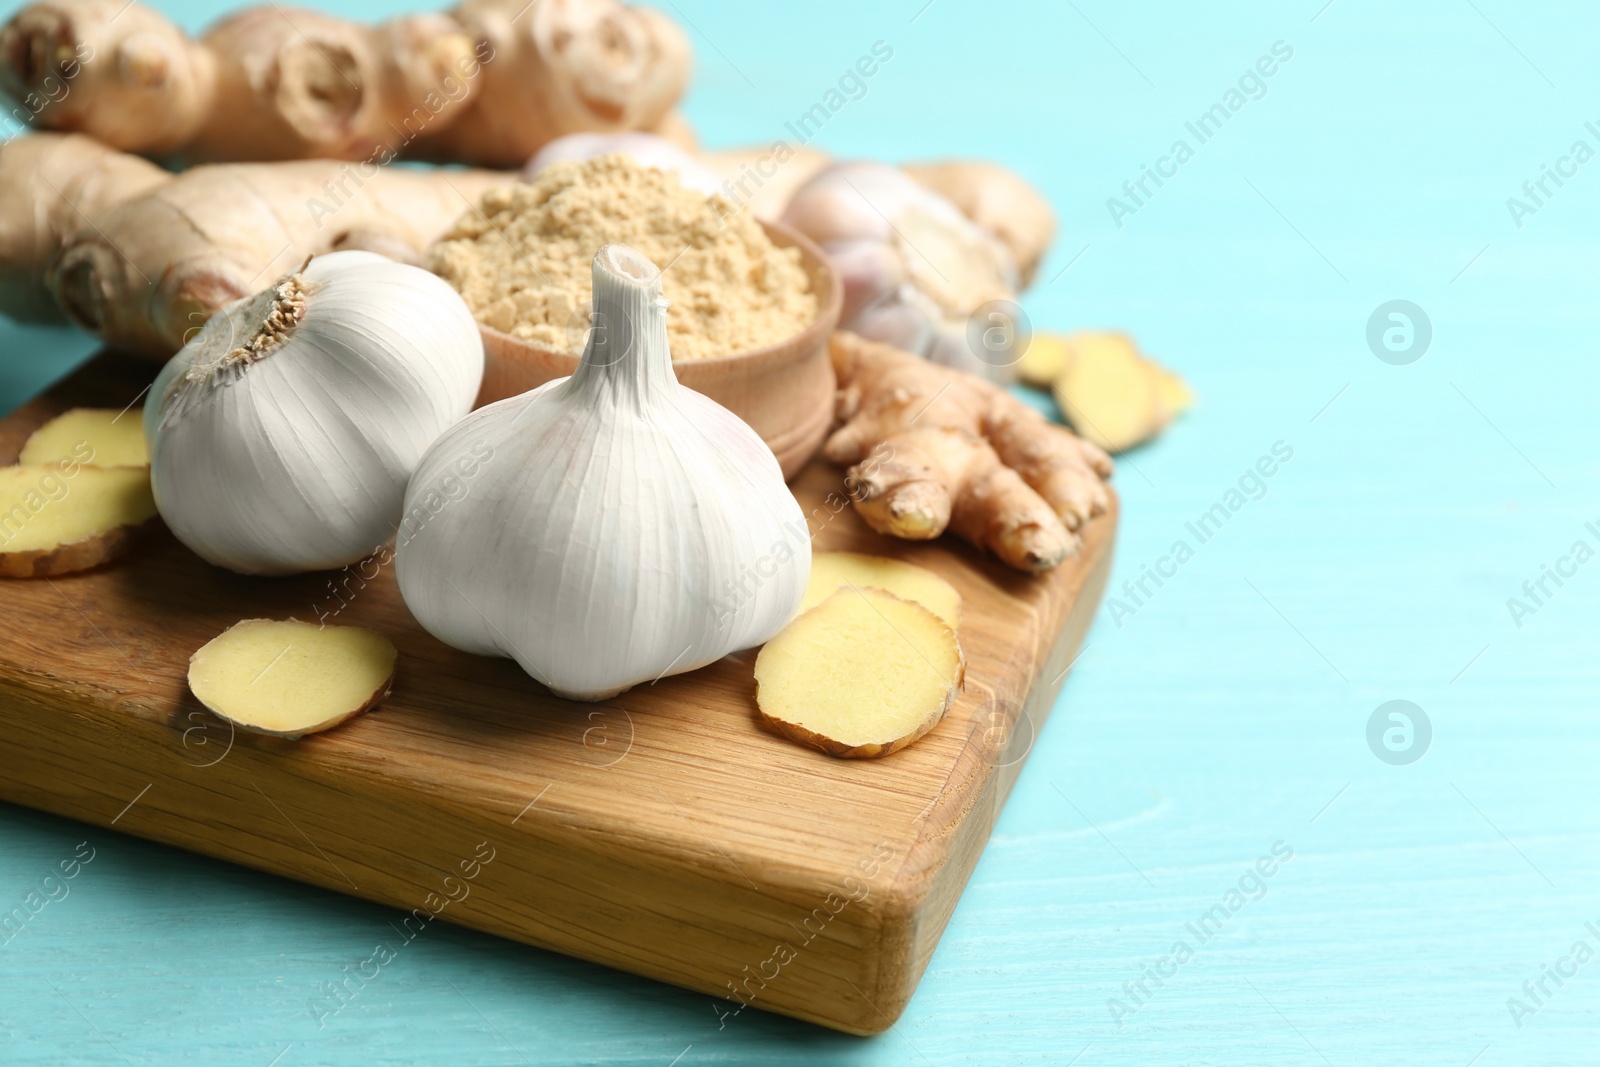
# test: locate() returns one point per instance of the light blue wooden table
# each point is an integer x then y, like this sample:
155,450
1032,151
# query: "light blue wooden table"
1225,715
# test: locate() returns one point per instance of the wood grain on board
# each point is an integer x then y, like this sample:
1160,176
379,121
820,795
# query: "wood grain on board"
661,832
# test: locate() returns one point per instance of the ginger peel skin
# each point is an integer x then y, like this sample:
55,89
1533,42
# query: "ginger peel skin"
930,449
488,83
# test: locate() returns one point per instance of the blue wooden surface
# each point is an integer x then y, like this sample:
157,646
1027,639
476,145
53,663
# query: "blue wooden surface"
1228,712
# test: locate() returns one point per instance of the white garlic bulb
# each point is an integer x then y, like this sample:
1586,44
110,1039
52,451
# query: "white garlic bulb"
914,267
609,528
283,434
645,149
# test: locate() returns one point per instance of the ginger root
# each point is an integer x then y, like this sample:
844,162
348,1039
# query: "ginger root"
559,67
121,73
264,83
146,274
49,185
931,449
291,678
863,674
487,83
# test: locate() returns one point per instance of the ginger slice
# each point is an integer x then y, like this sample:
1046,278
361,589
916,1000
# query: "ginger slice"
832,570
88,435
291,678
1109,394
1173,391
1044,360
57,520
863,674
1115,396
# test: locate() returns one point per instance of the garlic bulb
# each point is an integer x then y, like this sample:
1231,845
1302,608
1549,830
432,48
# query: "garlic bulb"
609,528
645,149
913,266
283,434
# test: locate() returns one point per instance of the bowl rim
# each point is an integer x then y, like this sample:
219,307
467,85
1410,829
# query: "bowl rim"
827,320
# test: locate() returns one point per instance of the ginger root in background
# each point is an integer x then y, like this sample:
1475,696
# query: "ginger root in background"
144,271
49,184
150,271
486,84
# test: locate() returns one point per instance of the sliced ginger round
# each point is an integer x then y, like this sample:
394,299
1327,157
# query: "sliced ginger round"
57,520
1044,360
1113,395
864,673
1108,392
1173,391
831,570
88,435
291,678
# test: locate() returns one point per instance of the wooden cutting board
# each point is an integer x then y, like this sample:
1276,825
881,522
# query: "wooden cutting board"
661,832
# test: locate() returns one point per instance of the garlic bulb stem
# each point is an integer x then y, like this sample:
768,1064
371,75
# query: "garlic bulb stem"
285,306
627,347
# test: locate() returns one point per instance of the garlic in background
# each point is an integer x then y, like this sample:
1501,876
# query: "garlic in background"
282,435
625,528
645,149
914,268
999,200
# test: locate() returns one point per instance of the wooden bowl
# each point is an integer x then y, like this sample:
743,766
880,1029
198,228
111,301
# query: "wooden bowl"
784,391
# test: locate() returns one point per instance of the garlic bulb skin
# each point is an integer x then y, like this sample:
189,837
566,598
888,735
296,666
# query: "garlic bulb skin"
606,529
913,266
282,435
645,149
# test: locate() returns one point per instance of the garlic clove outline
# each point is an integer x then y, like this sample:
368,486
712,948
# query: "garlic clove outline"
283,434
914,267
606,529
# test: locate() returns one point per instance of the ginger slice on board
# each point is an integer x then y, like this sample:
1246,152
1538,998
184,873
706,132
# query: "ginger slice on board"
291,678
99,436
1109,393
60,519
864,673
831,571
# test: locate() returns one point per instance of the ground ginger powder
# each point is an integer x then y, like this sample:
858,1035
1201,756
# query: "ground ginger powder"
522,262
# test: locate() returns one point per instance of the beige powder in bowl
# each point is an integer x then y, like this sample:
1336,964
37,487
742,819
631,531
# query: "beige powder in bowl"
522,261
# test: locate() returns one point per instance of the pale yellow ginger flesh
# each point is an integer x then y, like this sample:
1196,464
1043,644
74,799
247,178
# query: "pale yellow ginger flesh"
1043,360
291,678
1107,390
862,674
60,519
831,571
102,437
1175,394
